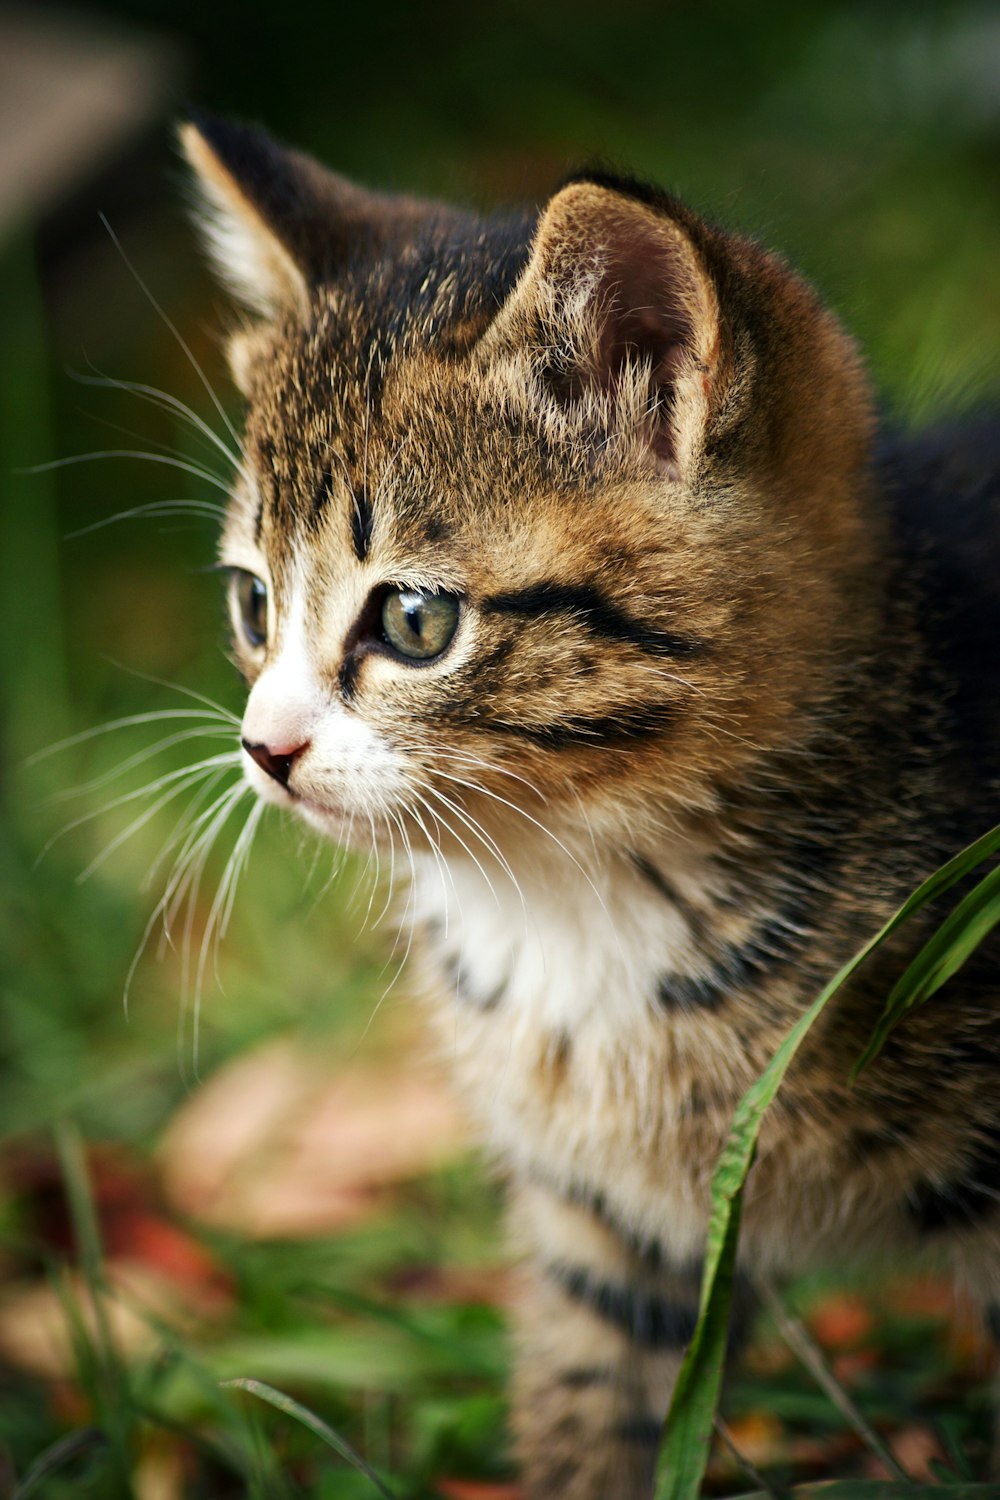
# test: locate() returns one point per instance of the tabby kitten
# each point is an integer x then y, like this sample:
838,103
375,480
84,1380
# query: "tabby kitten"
568,557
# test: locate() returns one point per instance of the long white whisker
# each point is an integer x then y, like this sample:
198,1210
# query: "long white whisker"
228,758
153,444
188,820
441,863
165,401
464,757
155,716
184,465
94,785
481,834
495,796
206,383
442,822
203,509
177,782
178,687
158,911
209,937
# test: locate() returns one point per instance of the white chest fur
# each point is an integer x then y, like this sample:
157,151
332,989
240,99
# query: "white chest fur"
556,1038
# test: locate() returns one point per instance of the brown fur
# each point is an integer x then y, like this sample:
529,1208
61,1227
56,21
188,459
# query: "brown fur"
702,707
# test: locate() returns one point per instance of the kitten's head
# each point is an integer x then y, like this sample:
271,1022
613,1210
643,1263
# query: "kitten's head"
542,517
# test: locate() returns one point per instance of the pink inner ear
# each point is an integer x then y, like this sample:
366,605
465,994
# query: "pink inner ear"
641,309
644,324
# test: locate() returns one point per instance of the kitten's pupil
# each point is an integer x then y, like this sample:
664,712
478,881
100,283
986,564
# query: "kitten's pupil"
251,601
419,624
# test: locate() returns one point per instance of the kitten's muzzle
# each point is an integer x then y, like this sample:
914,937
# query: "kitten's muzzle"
276,761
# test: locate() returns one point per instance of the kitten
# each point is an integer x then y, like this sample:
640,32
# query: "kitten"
569,558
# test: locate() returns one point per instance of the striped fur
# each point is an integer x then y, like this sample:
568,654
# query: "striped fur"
723,688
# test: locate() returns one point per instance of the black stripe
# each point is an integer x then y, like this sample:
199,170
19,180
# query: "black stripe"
599,614
670,894
321,496
458,975
579,1377
579,730
773,943
349,677
649,1251
966,1199
644,1432
465,991
651,1321
361,523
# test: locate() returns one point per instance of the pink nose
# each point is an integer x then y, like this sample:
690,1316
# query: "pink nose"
276,761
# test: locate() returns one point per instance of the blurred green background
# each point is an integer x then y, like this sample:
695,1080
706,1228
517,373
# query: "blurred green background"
862,140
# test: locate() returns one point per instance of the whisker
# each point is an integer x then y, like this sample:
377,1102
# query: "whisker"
166,401
178,687
206,383
210,933
190,841
176,781
184,465
203,509
440,862
484,838
139,758
153,716
157,444
229,758
495,796
184,824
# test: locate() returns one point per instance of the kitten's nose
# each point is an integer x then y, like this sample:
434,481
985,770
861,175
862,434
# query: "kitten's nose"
277,761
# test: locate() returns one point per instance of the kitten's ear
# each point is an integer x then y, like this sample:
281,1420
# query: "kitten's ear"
617,300
275,221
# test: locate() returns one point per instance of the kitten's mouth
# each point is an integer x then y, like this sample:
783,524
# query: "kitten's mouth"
338,824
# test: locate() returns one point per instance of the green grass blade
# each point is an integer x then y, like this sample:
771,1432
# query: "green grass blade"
57,1457
941,957
292,1408
684,1452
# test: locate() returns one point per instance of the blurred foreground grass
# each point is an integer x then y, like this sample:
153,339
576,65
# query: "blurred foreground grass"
257,1216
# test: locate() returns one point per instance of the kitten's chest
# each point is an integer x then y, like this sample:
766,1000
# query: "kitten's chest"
548,1011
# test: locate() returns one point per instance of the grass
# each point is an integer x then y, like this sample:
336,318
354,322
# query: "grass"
388,1327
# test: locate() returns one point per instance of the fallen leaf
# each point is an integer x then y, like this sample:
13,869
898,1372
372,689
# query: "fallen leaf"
477,1489
915,1447
758,1436
850,1366
841,1321
35,1334
272,1146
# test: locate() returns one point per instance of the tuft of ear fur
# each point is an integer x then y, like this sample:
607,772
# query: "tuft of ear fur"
624,316
276,223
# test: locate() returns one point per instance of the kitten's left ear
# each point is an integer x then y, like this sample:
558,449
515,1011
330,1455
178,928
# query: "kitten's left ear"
277,223
618,304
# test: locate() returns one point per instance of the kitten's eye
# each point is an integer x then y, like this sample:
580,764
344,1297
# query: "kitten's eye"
419,624
251,607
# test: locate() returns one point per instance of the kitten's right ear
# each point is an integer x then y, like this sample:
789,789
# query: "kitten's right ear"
275,222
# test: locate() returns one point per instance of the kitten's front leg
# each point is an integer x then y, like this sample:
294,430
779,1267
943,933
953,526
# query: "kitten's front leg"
601,1332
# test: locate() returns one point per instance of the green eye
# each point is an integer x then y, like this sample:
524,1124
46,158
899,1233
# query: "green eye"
251,607
419,624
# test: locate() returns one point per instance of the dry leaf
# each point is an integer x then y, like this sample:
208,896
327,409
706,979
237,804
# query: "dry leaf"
476,1489
758,1436
915,1447
841,1321
273,1146
36,1336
